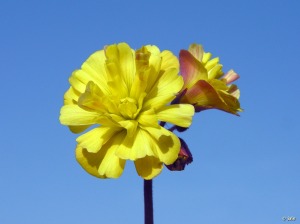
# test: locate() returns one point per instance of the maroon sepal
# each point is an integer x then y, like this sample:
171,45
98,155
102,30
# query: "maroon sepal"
181,129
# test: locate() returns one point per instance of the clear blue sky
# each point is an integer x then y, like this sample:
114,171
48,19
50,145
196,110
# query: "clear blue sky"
245,170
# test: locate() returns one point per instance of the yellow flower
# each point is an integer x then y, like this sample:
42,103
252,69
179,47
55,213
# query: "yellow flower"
125,93
205,85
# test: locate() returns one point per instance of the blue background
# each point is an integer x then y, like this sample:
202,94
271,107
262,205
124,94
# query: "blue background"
245,169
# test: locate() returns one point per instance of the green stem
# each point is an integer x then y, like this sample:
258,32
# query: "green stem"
148,202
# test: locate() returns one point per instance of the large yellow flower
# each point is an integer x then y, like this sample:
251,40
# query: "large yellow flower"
125,93
205,84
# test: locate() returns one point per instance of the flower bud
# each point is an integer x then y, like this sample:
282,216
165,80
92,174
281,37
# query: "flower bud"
184,158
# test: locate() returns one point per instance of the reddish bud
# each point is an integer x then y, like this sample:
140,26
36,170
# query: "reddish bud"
184,158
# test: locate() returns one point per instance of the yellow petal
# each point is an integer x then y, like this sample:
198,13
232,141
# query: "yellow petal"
178,114
127,63
89,161
166,87
121,66
93,69
148,118
92,98
197,51
130,126
153,72
94,139
230,103
139,86
165,145
154,50
111,165
71,96
78,80
169,83
142,56
137,146
169,60
78,129
158,102
206,57
104,163
212,63
73,115
148,167
215,72
116,83
218,84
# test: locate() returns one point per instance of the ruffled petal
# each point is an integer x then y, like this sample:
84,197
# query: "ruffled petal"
73,115
154,50
169,60
153,73
169,83
89,161
130,126
96,138
127,63
137,146
71,96
139,86
164,90
78,80
142,56
148,167
166,144
148,118
112,166
78,129
178,114
92,98
104,163
158,102
94,69
120,65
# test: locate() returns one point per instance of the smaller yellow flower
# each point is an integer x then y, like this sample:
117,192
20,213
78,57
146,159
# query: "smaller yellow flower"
205,85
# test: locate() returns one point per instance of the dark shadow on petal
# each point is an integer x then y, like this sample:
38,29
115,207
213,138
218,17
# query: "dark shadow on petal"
166,142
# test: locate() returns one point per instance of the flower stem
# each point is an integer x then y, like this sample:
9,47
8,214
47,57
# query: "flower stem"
148,202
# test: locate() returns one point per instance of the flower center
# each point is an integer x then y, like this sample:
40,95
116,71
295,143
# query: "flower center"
128,108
